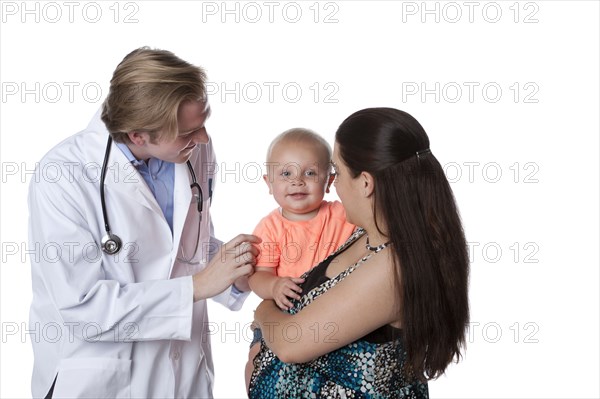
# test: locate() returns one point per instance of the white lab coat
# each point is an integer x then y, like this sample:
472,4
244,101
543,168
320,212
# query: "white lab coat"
124,325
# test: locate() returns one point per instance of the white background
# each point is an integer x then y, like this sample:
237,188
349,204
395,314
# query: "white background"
529,207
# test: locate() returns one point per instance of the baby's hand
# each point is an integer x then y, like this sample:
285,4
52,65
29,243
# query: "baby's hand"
285,288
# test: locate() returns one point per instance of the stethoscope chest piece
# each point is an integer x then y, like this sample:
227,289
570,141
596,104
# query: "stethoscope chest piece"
111,244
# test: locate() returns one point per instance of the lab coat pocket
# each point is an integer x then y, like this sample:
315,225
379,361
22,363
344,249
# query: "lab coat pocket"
93,377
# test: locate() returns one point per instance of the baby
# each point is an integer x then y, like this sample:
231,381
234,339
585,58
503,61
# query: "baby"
304,229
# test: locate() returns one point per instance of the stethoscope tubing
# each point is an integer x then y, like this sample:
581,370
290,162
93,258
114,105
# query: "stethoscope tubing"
102,178
111,243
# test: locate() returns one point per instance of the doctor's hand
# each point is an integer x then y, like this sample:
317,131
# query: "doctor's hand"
236,259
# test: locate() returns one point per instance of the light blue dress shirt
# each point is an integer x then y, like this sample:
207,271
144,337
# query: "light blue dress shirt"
159,176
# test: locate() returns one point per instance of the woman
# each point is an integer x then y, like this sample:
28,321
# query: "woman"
388,310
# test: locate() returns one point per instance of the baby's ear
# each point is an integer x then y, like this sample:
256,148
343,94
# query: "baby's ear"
268,181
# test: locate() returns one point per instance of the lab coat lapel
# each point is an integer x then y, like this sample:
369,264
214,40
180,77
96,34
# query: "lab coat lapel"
182,197
123,178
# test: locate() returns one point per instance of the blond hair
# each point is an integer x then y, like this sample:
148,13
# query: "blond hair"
299,135
146,90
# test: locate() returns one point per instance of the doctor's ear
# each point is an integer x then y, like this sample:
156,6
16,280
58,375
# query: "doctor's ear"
138,138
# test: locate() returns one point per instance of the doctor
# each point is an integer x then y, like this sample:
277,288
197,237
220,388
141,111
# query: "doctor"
127,256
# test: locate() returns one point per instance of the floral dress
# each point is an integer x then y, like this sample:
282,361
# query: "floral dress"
361,369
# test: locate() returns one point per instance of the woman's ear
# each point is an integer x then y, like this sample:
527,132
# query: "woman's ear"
368,183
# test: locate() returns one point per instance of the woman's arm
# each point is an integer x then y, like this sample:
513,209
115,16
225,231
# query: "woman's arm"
361,303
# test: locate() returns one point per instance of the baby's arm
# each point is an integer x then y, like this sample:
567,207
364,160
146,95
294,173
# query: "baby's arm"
267,285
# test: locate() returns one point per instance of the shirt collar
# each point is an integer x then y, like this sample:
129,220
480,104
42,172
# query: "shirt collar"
129,155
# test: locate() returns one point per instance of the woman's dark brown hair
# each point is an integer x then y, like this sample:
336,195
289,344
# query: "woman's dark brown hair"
414,206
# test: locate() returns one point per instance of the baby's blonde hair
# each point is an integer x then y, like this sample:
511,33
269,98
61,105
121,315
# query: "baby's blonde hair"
302,135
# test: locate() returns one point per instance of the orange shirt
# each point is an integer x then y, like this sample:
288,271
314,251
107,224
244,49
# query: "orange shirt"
294,247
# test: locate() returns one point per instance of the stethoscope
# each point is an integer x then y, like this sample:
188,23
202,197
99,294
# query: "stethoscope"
112,243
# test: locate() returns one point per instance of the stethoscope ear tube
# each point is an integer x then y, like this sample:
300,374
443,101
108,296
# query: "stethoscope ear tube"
111,243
